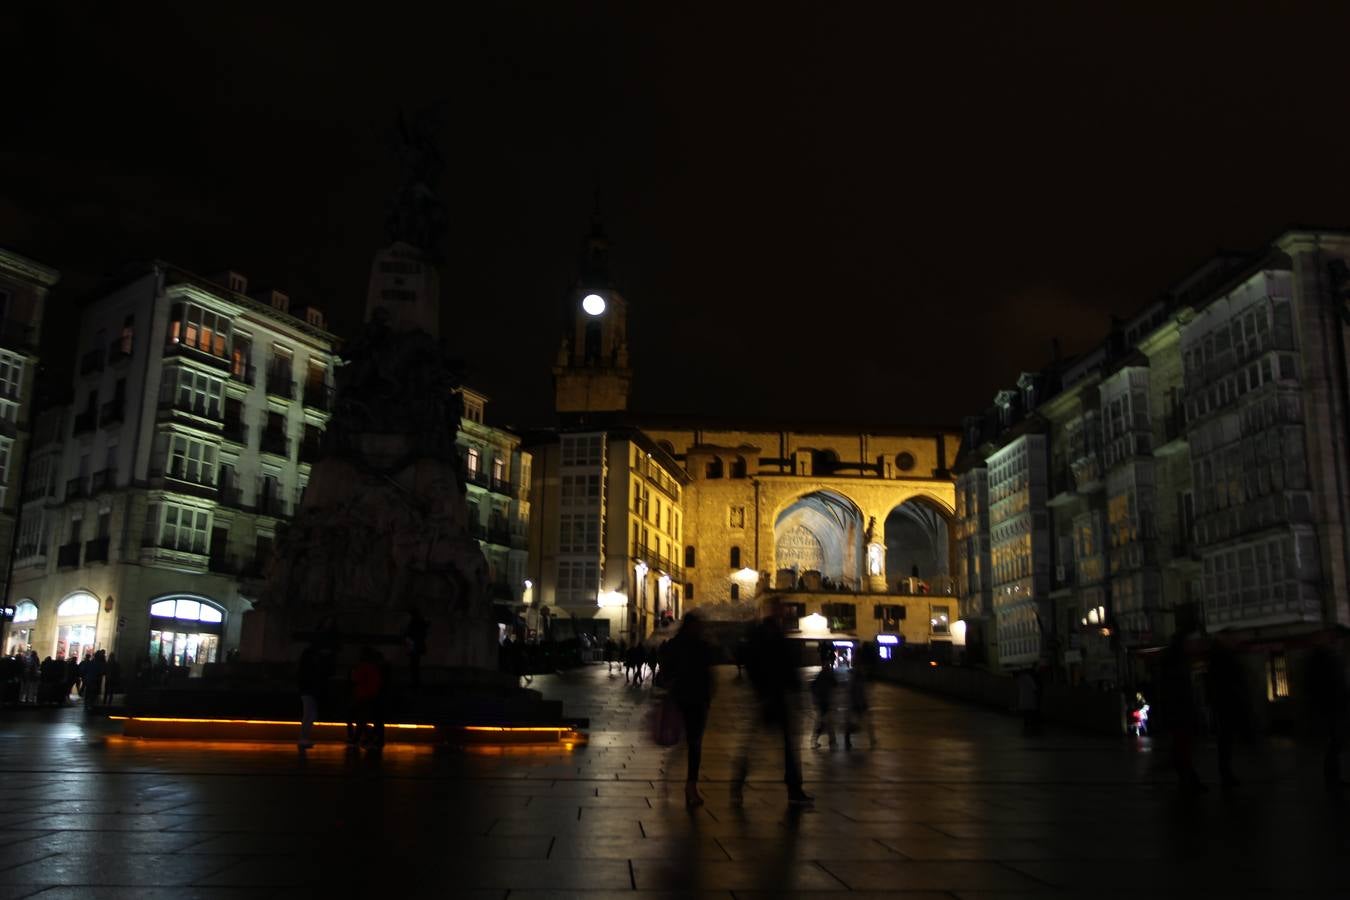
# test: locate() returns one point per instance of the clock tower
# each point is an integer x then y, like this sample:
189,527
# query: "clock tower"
592,376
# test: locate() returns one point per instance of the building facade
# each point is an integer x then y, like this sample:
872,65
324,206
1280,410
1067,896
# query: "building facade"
497,481
152,507
638,518
1198,473
24,284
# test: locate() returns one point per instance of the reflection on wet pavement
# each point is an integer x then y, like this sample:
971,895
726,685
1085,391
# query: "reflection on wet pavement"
954,802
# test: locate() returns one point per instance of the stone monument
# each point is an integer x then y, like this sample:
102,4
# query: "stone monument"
382,530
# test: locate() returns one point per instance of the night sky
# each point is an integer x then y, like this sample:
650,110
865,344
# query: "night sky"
826,212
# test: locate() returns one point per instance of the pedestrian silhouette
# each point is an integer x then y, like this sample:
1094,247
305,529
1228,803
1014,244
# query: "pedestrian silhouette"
366,688
772,664
1327,696
822,695
1178,710
686,668
1225,685
858,714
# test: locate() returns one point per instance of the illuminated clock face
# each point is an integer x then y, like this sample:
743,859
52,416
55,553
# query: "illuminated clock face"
593,304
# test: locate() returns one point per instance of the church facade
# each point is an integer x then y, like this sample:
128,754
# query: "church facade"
639,518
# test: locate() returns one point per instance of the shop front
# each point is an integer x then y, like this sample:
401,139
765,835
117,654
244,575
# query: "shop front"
20,637
76,626
185,631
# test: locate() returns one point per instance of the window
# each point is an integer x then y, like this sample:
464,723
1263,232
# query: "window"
840,616
735,516
187,608
241,360
193,391
735,557
192,460
474,461
200,329
577,532
714,468
498,469
6,448
689,557
78,605
183,528
11,375
126,338
578,580
26,611
937,619
904,461
738,467
582,450
735,591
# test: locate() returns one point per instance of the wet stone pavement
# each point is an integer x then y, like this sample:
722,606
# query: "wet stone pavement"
954,802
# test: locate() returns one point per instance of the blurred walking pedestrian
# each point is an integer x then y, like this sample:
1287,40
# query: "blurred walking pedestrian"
858,714
686,667
1178,709
772,663
31,668
312,679
822,696
1226,688
1029,701
637,658
611,655
112,680
94,668
1327,696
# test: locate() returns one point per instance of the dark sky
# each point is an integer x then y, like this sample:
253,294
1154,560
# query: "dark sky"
819,212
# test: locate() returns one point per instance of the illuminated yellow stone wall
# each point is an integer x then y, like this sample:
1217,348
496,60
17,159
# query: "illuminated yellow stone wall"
711,505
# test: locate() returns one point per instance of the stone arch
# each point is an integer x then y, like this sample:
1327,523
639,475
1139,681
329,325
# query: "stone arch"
918,535
819,533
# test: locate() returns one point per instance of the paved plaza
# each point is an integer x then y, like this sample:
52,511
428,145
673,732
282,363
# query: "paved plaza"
955,802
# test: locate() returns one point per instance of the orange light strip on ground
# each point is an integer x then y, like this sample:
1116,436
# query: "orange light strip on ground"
248,722
557,729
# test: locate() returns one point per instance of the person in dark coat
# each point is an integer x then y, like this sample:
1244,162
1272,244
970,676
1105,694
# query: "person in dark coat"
686,666
112,680
1327,699
771,660
1226,687
1178,708
72,676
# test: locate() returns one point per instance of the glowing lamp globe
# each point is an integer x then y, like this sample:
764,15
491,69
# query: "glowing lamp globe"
593,304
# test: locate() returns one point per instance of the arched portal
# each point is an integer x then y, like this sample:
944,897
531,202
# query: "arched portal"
819,536
917,547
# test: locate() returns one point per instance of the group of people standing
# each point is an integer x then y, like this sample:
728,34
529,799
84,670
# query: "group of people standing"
95,678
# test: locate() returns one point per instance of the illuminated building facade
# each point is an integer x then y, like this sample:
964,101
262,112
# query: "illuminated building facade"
851,524
154,501
1197,470
24,284
497,482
